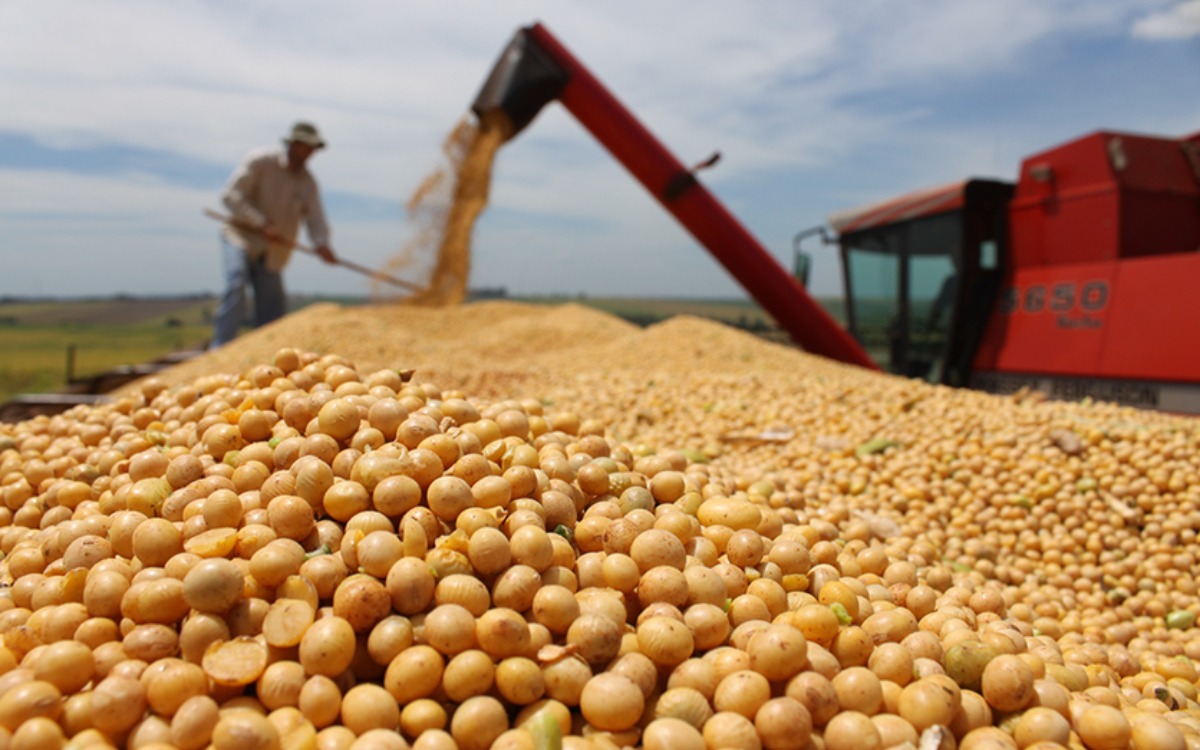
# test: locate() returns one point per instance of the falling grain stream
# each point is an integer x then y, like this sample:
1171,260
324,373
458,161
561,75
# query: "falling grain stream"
442,214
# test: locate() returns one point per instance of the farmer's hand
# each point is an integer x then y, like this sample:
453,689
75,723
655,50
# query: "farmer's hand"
326,254
271,233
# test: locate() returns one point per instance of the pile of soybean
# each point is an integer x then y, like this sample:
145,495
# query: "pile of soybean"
673,538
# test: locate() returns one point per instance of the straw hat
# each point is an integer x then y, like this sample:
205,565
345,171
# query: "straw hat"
305,132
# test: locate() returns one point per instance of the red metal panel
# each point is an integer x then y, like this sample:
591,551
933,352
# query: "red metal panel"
1155,324
1065,206
1050,320
1135,319
1153,164
1160,189
777,291
1106,196
913,205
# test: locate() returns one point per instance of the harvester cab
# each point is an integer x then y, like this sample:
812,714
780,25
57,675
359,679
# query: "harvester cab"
921,274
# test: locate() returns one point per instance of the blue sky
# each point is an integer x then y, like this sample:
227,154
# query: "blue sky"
122,120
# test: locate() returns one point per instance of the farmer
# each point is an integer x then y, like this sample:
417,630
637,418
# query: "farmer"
269,194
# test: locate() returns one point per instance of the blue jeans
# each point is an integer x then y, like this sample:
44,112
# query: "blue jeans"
270,302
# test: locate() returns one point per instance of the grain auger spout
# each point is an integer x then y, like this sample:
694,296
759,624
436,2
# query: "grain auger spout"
524,80
536,69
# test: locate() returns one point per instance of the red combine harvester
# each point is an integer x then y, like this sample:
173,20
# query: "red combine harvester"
1075,281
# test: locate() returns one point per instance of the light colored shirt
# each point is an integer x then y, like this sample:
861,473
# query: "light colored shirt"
262,191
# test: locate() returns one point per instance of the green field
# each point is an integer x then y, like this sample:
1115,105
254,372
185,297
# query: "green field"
46,344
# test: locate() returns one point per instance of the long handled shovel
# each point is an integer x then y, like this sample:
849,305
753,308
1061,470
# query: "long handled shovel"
378,275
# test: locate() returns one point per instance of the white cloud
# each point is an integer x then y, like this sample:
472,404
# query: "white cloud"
387,81
1179,21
